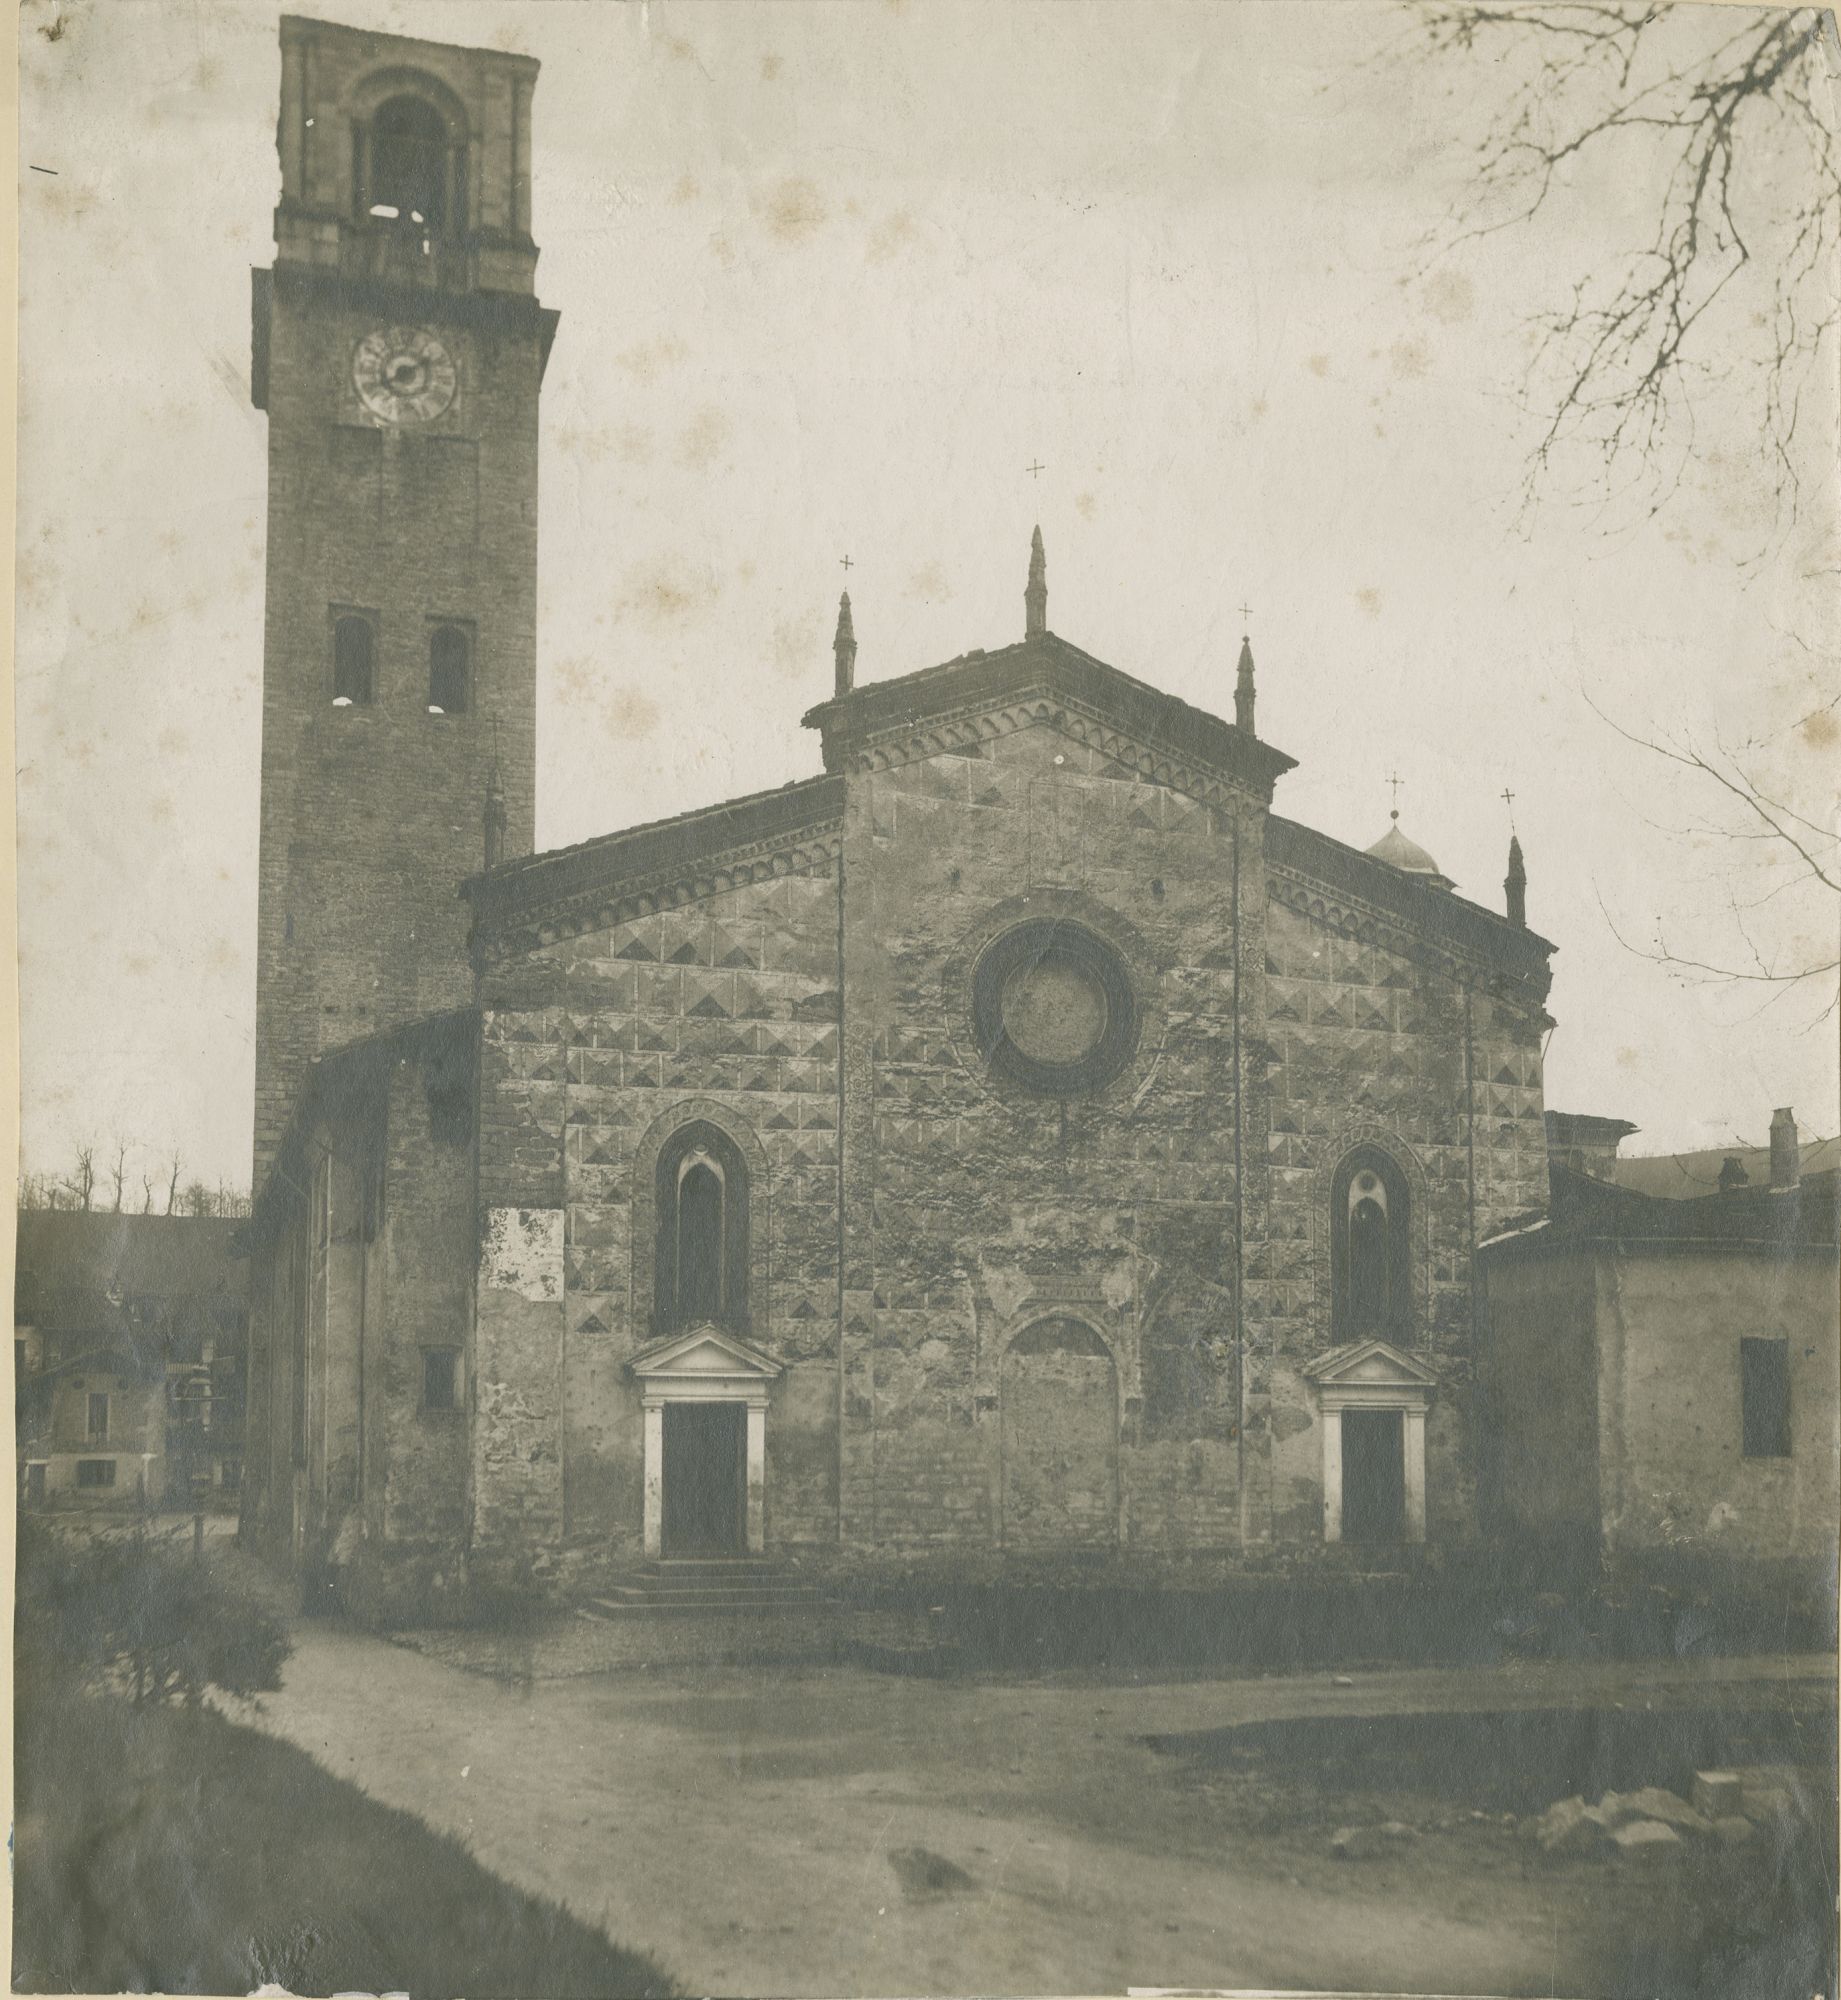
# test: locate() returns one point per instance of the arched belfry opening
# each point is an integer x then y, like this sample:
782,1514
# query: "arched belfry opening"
409,166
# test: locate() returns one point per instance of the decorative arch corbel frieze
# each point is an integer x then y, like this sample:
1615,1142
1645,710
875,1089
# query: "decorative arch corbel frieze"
1365,923
596,909
1080,724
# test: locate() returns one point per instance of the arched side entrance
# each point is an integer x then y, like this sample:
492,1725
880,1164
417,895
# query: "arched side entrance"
1058,1399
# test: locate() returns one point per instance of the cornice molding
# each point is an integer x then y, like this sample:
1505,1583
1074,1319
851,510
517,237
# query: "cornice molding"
814,849
974,724
1353,917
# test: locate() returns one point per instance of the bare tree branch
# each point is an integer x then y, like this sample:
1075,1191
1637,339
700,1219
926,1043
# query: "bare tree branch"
1739,129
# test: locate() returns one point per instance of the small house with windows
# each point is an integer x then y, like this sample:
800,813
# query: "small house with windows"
129,1340
1661,1363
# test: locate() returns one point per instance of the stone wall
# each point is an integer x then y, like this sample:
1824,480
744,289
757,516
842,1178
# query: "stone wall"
1541,1377
596,1050
1672,1472
976,1210
1374,1040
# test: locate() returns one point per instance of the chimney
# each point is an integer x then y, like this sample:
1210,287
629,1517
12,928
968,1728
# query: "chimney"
844,647
1035,596
1515,886
1243,688
1786,1155
1732,1173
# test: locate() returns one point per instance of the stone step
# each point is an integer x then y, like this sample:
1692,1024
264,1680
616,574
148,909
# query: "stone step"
703,1607
626,1590
705,1565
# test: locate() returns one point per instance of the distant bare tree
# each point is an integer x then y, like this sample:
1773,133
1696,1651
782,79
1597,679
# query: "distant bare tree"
147,1194
82,1180
118,1171
1733,113
172,1185
229,1201
1801,857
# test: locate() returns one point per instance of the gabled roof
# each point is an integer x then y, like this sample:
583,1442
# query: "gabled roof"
658,852
1586,1212
1043,665
1566,1129
1688,1176
88,1271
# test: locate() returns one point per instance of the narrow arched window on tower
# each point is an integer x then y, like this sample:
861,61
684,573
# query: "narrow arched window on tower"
408,166
1370,1256
353,646
447,671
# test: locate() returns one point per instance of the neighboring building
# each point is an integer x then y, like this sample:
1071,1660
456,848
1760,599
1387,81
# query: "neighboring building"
1015,1136
1665,1369
129,1341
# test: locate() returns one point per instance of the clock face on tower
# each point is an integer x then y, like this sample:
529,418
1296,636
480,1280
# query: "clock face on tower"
404,375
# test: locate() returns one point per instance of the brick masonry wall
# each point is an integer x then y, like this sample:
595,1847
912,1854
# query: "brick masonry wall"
372,815
425,1300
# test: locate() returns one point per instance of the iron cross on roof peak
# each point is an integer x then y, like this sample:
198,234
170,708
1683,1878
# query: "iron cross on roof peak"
1396,781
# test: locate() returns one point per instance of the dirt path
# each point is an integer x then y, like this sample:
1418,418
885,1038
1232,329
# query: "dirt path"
835,1831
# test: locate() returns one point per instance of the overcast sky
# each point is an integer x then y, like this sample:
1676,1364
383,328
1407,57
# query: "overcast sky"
831,277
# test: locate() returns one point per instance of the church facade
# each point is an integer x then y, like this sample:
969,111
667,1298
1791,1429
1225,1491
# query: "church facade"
1014,1137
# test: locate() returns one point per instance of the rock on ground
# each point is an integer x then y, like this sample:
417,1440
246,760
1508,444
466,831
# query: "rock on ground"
1570,1826
1361,1843
1639,1836
1718,1793
1652,1802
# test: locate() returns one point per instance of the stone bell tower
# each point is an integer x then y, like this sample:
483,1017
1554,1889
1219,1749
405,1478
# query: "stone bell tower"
398,349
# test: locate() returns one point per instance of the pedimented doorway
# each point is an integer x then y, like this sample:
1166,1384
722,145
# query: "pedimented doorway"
704,1396
1372,1401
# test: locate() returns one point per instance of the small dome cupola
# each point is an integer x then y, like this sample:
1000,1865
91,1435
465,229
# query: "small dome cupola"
1408,856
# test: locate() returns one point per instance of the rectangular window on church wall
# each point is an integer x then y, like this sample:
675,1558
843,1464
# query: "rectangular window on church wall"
441,1378
1764,1387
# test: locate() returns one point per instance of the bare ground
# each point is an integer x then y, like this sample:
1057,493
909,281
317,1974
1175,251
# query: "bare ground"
796,1830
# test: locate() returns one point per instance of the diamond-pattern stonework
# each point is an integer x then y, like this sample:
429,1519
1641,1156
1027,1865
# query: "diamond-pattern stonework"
1003,1317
